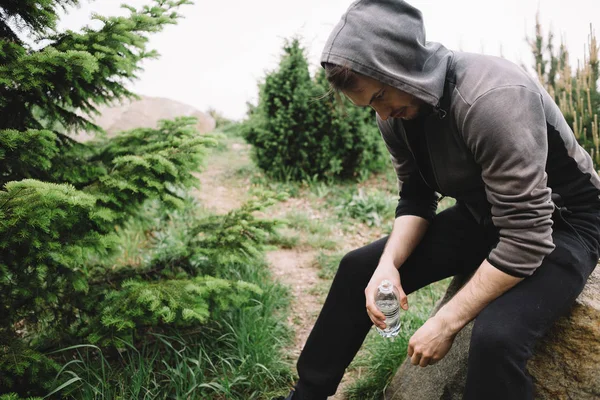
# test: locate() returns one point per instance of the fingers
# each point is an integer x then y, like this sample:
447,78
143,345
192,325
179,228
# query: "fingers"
375,314
380,323
403,298
421,360
418,358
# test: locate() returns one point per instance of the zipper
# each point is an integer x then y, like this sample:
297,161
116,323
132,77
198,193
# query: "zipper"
441,113
407,141
431,162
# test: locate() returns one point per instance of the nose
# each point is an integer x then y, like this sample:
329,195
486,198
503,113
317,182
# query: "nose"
383,114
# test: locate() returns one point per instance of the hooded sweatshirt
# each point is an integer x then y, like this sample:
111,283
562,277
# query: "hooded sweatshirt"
496,140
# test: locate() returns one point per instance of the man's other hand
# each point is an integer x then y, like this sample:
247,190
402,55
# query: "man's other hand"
430,343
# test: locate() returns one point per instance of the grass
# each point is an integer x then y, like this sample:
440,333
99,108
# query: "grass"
238,355
311,231
328,264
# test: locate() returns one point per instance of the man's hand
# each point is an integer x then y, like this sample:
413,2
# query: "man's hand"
430,343
385,270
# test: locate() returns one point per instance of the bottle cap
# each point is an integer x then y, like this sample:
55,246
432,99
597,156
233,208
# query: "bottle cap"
386,286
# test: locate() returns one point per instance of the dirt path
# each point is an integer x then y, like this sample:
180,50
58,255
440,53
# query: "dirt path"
221,191
295,268
218,190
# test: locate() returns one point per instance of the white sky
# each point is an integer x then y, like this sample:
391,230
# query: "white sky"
217,54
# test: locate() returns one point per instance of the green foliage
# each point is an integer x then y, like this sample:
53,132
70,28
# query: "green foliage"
45,231
66,207
175,302
22,366
576,92
22,153
49,230
100,242
232,357
37,16
147,163
183,244
74,71
238,236
328,264
299,131
235,353
14,396
373,208
318,232
220,120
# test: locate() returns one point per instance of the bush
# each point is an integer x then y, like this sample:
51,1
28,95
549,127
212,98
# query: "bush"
300,132
230,352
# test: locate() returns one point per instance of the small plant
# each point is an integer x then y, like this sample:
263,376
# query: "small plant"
373,208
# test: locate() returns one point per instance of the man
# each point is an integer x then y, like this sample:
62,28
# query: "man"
481,130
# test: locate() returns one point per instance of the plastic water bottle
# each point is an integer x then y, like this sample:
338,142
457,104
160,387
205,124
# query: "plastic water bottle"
387,302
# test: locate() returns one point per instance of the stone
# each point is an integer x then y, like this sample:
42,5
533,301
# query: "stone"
565,365
145,113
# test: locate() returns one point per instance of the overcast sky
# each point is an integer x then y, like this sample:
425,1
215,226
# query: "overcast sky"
217,54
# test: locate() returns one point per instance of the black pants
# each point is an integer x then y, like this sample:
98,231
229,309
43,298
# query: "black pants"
505,332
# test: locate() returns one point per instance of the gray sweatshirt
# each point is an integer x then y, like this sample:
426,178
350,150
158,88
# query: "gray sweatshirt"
496,141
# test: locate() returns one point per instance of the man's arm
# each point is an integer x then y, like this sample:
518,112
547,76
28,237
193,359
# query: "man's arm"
487,284
434,339
406,234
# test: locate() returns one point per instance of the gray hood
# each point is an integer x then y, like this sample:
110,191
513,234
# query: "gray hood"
385,40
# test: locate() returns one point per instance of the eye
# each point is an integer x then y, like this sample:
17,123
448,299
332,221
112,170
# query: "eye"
380,95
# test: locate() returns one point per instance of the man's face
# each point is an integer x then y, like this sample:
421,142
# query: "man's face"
387,101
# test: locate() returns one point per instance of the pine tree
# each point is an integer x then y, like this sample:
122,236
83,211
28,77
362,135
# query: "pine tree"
298,133
62,202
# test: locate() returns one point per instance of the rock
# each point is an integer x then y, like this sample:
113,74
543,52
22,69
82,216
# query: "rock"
145,113
565,364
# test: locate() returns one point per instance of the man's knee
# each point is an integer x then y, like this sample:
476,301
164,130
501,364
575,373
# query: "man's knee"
350,259
349,264
496,339
358,264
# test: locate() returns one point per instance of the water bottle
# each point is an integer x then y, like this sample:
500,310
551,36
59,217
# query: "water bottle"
387,302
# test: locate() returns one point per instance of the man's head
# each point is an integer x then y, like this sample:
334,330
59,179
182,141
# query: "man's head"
385,41
364,91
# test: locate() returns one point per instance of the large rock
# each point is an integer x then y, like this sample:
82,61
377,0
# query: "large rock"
145,113
566,363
